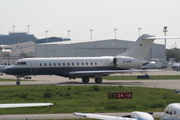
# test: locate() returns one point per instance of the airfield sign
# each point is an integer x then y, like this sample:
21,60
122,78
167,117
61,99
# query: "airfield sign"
120,95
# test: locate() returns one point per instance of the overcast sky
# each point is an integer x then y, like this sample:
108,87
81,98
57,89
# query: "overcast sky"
103,16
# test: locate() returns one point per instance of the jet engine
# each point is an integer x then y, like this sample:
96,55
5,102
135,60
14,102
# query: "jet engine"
128,62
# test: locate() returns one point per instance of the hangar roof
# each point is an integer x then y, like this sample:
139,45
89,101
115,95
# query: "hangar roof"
89,41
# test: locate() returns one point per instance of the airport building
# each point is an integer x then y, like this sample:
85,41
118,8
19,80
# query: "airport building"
15,38
92,48
51,39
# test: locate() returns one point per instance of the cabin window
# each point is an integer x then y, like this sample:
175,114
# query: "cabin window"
54,64
77,63
44,64
91,63
86,63
64,64
95,63
49,64
40,64
68,64
73,64
59,64
82,63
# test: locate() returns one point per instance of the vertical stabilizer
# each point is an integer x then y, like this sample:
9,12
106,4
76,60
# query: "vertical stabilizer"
140,48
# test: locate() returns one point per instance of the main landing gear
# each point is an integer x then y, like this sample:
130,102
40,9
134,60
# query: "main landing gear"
86,80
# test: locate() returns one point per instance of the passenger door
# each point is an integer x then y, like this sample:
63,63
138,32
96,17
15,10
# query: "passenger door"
33,67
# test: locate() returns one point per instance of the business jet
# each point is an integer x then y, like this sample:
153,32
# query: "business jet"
85,67
133,116
172,112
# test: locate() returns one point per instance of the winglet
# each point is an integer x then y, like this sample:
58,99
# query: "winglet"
170,66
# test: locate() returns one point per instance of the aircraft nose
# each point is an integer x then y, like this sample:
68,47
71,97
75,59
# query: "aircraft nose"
8,71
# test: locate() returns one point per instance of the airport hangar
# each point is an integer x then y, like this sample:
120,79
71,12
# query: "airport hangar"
92,48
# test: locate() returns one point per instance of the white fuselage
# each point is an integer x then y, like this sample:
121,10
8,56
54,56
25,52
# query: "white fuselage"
172,112
62,66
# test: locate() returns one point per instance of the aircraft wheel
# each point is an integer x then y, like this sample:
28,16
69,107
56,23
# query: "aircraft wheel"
17,83
85,80
98,80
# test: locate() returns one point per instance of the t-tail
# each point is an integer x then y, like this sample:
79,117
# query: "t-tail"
141,47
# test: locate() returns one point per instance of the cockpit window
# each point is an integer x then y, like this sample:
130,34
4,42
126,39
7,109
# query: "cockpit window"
174,112
21,63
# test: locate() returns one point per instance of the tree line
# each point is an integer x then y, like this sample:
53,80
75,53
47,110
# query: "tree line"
173,53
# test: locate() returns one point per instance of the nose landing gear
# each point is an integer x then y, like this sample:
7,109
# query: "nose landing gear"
18,80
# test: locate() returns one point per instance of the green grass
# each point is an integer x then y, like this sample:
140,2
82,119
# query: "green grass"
152,77
68,99
2,79
5,80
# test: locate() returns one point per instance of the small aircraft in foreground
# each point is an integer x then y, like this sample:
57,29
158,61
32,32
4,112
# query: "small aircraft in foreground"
14,105
133,116
172,112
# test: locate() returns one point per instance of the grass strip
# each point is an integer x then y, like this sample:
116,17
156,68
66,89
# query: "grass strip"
91,99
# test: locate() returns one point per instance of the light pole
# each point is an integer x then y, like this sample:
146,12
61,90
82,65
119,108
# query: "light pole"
28,28
69,33
115,33
165,30
139,31
46,33
46,41
13,28
91,30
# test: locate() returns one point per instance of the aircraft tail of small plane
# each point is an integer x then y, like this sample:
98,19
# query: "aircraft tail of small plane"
141,47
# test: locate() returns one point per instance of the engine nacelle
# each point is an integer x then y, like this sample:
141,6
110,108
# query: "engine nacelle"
141,115
128,62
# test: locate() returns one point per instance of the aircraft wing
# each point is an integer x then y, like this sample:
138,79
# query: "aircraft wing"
106,72
102,117
24,105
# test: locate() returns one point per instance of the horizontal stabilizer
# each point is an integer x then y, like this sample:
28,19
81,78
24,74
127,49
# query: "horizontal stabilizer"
150,38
